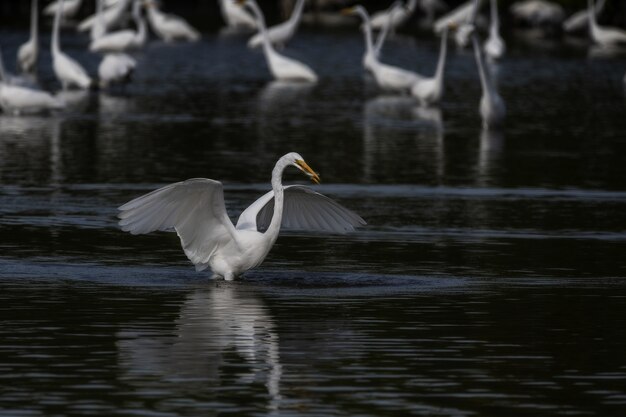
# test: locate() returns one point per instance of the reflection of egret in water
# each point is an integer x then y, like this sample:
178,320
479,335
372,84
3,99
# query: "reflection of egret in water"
224,333
396,129
491,145
279,93
605,51
56,162
74,100
114,105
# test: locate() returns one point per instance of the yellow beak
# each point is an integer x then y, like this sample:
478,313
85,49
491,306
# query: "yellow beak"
307,170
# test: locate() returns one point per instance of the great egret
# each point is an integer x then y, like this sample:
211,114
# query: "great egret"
281,33
195,210
19,99
466,28
430,90
492,108
580,19
538,12
494,45
235,16
394,16
455,17
111,17
603,35
281,67
386,76
169,27
122,40
27,53
116,68
68,8
68,72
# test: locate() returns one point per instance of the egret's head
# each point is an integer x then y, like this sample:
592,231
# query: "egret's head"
298,161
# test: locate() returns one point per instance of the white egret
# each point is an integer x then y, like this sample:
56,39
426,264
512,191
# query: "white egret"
116,68
603,35
195,210
430,90
580,19
372,51
455,17
386,76
281,67
20,99
122,40
236,16
494,45
27,53
538,12
281,33
430,7
169,27
111,17
394,16
68,8
466,28
68,72
492,107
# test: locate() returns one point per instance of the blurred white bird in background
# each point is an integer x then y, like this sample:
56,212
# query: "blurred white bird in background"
280,34
112,17
121,40
603,35
454,17
492,107
580,19
169,27
430,90
236,17
281,67
115,68
68,8
195,209
393,16
430,8
28,52
68,71
467,26
19,99
538,13
387,76
494,45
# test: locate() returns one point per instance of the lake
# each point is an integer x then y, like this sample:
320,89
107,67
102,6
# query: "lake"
490,279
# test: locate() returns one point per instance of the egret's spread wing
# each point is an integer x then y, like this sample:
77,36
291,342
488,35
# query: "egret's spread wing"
304,209
194,208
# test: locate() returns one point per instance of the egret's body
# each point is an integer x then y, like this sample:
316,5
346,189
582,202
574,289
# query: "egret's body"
281,67
170,27
27,53
235,16
195,210
393,16
111,17
20,99
494,45
68,8
430,90
580,19
538,12
603,35
68,72
281,33
492,107
387,77
116,68
122,40
372,51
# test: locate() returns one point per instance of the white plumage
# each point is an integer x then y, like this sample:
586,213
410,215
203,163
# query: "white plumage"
393,16
494,45
116,68
28,52
122,40
603,35
169,27
111,17
236,16
281,33
492,107
430,90
68,8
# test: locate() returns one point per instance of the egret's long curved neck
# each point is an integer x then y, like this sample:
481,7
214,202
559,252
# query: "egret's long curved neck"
443,52
593,23
411,5
367,29
34,24
141,24
495,19
55,29
472,16
267,45
279,198
485,81
294,19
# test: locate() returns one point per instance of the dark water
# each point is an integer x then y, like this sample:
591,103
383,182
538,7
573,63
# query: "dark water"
489,281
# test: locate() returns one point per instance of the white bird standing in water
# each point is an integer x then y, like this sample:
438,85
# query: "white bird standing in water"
68,72
603,35
115,68
280,34
122,40
281,67
386,76
27,53
235,16
111,17
492,108
169,27
195,209
430,90
394,16
494,45
19,99
68,8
